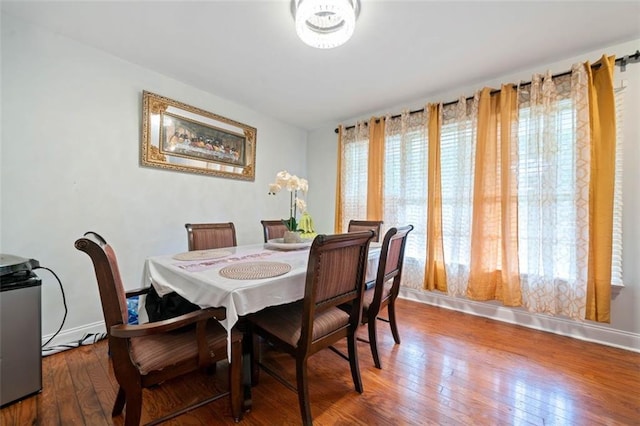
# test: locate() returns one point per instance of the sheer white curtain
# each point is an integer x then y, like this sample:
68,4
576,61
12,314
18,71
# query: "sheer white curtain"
553,193
457,147
616,258
405,187
355,155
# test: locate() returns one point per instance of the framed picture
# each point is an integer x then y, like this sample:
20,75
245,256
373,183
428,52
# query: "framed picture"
177,136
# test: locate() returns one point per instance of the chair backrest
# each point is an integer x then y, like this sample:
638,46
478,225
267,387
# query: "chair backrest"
335,276
105,264
390,265
205,236
365,225
273,229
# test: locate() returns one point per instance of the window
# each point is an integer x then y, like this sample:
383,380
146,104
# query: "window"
549,223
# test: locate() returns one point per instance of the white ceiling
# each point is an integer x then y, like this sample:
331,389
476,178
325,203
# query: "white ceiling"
248,52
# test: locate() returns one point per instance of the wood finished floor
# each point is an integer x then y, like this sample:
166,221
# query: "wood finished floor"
451,368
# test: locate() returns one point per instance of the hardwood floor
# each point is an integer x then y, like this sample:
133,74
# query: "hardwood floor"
451,368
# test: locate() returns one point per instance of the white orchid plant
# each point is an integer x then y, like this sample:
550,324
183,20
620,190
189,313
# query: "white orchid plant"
293,184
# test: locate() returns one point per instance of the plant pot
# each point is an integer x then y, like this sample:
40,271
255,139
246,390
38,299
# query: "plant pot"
291,237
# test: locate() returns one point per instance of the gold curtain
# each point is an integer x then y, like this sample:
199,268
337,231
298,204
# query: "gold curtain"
435,275
494,271
602,120
375,169
337,225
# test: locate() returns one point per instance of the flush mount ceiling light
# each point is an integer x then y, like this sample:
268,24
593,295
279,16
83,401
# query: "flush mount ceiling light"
325,23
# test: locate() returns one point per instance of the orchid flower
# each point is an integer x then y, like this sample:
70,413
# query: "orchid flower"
293,184
274,188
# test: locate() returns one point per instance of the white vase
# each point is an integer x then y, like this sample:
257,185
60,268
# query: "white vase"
291,237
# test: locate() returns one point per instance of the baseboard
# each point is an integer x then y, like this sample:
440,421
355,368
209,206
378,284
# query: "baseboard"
74,337
587,331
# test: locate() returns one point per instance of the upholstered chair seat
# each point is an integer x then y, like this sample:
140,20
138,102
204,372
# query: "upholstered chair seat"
158,351
367,299
285,322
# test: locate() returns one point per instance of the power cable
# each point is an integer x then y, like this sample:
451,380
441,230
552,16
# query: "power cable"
87,339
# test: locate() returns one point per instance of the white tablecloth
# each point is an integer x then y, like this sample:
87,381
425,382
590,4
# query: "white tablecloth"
199,281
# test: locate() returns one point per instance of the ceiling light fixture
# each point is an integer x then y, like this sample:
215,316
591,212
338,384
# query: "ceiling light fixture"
325,23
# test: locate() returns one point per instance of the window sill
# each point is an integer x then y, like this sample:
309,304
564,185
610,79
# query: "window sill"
615,290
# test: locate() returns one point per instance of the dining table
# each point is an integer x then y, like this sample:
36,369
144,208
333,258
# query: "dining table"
242,279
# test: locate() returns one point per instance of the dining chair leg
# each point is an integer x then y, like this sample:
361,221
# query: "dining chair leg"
391,309
118,405
373,343
235,380
353,361
303,390
134,408
255,358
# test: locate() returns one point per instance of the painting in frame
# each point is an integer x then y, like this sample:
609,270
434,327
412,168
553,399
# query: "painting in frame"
181,137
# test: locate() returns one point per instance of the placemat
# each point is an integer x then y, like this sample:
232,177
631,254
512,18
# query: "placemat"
202,254
255,270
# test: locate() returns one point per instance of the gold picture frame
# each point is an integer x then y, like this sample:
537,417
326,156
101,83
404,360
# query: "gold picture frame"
181,137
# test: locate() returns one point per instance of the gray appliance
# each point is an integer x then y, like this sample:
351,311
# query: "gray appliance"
20,329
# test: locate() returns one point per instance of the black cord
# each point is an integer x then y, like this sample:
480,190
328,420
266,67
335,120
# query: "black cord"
64,302
87,339
94,337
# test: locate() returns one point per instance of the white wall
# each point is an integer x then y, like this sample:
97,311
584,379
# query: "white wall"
624,329
71,130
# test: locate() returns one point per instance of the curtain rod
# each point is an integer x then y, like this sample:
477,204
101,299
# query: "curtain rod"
621,62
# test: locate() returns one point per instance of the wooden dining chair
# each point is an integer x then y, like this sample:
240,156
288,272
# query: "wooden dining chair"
365,225
335,275
273,229
205,236
148,354
387,284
